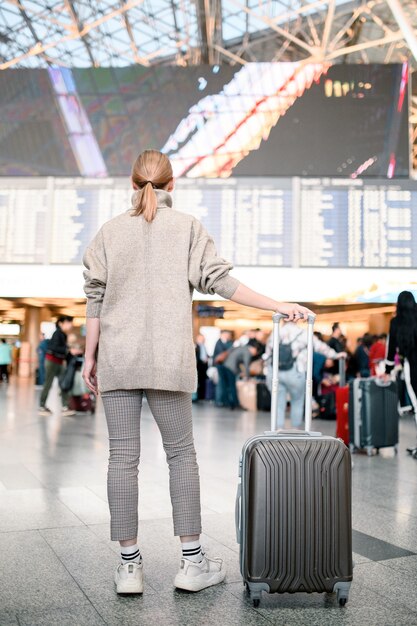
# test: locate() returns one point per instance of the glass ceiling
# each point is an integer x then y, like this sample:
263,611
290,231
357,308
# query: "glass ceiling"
123,32
81,33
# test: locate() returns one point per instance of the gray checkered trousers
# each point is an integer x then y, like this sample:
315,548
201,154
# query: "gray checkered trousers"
172,411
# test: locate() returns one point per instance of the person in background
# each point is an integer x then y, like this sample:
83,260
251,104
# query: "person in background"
5,360
243,355
362,356
377,352
223,344
221,351
259,341
402,343
320,362
246,336
41,351
55,362
292,382
336,344
202,365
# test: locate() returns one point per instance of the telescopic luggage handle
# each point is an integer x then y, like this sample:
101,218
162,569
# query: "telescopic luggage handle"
342,372
276,318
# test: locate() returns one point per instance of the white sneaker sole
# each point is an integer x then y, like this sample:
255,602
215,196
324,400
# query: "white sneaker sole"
129,586
199,582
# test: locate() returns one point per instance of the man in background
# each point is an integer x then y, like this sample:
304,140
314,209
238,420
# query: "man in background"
336,344
223,345
55,363
335,339
221,351
41,351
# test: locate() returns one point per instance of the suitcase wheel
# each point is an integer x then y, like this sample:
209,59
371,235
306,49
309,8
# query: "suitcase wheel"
341,597
256,602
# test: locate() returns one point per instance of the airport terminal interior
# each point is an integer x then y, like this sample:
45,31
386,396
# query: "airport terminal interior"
291,132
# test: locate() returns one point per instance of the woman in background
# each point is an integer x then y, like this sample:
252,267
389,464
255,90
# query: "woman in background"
402,340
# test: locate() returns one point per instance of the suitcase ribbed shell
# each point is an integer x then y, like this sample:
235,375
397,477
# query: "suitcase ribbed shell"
296,513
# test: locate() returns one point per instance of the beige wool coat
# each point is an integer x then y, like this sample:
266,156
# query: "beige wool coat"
139,280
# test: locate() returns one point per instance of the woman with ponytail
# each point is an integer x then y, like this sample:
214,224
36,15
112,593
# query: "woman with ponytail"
140,272
402,341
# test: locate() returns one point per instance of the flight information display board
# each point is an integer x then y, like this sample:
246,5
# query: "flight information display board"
285,222
250,220
357,223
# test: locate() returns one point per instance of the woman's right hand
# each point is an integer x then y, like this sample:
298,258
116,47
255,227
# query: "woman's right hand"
89,374
294,311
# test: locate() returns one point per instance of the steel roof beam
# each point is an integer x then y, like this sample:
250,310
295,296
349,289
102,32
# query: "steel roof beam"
202,30
404,25
136,56
78,26
30,26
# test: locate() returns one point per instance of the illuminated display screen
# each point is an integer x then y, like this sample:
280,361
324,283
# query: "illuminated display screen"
261,119
286,222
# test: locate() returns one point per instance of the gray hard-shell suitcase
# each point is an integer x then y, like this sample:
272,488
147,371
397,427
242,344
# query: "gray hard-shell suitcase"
373,414
293,505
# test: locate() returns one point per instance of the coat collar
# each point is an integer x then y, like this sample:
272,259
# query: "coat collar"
164,198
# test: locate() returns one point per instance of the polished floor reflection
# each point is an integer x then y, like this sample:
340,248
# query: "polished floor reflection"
57,561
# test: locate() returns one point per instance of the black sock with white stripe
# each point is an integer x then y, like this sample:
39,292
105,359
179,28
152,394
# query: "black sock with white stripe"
191,550
130,554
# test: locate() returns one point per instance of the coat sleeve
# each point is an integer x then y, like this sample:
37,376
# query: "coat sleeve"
95,275
207,272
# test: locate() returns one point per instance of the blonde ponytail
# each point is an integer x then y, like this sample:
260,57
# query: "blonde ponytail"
145,202
151,170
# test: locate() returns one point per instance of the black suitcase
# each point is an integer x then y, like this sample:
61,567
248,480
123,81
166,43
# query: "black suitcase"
293,506
327,406
373,414
263,397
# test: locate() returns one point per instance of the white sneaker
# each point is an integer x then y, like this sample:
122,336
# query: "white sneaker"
67,412
197,576
43,410
129,578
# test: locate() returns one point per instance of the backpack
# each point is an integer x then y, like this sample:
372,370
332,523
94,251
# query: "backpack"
286,359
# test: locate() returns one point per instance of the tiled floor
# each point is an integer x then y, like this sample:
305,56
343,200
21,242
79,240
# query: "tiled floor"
57,561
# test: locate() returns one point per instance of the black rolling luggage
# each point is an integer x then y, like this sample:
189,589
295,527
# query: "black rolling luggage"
263,397
293,506
373,414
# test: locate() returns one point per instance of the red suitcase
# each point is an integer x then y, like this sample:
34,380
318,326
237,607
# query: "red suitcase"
342,414
83,404
342,405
